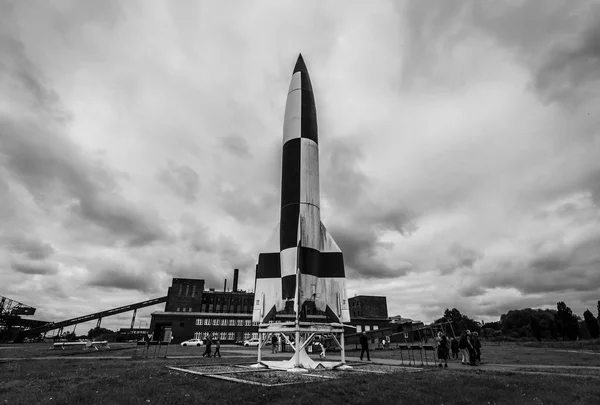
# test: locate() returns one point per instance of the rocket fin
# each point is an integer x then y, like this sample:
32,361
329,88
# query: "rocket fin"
329,244
331,294
267,288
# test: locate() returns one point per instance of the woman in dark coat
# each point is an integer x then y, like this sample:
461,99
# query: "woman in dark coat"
442,349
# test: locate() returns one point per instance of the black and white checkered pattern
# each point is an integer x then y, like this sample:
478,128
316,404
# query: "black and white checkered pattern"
303,242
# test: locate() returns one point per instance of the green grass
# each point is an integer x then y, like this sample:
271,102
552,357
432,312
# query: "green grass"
148,381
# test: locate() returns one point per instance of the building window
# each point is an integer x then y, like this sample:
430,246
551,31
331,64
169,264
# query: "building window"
247,335
367,328
215,322
358,329
187,290
194,290
239,322
198,323
223,335
232,322
198,335
205,335
247,322
375,327
217,307
177,309
210,307
224,322
255,323
231,336
254,335
180,287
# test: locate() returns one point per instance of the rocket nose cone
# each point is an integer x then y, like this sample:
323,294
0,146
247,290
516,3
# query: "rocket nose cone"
300,65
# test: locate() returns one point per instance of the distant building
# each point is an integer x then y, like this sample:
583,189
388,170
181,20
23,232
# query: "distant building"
125,334
412,331
368,313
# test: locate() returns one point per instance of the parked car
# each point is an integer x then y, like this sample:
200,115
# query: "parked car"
193,342
251,342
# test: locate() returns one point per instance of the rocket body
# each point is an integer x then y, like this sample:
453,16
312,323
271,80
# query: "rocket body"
302,261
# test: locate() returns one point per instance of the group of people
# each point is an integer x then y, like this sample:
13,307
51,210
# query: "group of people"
209,342
468,345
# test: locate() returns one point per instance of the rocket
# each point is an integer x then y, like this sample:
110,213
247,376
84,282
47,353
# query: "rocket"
301,261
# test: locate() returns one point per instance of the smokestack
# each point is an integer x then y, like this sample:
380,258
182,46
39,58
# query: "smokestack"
225,286
236,273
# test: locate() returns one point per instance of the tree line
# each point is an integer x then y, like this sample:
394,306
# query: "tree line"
537,323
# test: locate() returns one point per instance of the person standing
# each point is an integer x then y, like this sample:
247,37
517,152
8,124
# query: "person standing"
454,347
364,344
208,347
462,345
217,347
442,349
471,349
273,344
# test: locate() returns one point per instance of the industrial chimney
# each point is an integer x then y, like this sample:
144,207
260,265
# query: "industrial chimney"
225,286
236,273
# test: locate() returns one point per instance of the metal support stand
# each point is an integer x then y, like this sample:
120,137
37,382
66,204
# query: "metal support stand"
303,334
133,319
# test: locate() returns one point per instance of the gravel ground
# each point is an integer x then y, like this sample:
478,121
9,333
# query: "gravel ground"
276,377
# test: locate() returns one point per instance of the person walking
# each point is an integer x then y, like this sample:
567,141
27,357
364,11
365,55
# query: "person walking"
454,347
322,347
207,351
462,346
442,349
364,344
217,347
273,344
471,350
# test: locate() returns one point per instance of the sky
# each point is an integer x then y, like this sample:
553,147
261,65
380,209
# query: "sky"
459,143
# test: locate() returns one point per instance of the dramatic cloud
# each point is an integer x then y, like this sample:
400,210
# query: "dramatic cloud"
458,142
34,249
34,267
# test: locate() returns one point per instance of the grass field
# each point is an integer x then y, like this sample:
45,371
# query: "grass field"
146,381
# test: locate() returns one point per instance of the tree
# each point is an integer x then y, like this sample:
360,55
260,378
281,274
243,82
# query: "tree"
514,320
566,321
535,328
459,321
552,329
95,332
592,324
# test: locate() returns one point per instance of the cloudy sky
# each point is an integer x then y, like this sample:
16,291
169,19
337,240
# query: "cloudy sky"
459,145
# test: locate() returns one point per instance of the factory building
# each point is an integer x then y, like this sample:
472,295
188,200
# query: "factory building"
368,313
191,311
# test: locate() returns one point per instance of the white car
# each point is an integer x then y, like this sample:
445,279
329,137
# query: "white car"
192,342
251,342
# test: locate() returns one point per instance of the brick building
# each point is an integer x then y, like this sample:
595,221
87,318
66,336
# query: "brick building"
368,312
